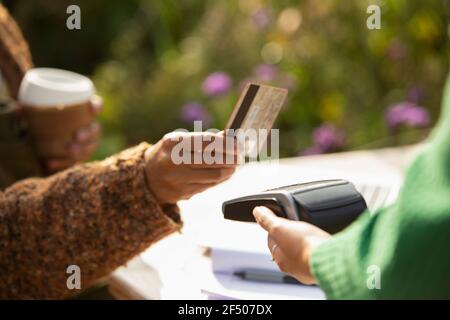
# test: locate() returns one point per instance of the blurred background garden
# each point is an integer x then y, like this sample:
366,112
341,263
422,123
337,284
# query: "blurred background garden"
160,64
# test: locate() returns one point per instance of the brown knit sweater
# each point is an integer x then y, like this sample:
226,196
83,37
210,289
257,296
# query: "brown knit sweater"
96,216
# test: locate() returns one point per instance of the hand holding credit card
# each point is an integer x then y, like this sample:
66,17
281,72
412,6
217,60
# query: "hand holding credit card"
257,108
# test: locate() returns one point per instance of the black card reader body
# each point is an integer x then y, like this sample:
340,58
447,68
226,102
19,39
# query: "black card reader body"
329,204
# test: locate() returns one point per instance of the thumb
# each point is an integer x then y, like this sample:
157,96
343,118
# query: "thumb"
266,218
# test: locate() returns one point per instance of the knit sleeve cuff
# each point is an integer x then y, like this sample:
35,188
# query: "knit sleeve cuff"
329,265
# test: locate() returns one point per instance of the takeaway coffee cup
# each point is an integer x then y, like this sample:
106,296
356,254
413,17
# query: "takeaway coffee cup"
56,103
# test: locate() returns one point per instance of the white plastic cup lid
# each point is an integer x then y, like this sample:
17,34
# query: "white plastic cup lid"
50,87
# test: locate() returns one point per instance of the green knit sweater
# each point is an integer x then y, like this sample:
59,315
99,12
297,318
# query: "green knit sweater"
402,251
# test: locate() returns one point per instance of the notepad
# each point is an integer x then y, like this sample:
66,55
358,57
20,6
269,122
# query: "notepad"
246,250
232,287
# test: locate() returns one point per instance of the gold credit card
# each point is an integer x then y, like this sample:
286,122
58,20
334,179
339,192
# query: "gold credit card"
257,107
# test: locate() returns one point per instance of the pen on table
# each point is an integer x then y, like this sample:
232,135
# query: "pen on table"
266,276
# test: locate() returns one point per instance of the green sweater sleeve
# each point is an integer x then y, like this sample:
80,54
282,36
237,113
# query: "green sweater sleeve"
402,251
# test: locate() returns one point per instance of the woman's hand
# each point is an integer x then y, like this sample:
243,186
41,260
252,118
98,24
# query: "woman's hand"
291,243
171,181
83,144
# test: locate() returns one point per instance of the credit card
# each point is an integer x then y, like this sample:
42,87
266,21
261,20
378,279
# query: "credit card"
257,108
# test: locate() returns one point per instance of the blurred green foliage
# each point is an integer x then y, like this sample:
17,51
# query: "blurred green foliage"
148,58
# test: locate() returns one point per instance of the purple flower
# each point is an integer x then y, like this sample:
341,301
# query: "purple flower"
194,111
265,72
328,138
217,84
261,18
407,113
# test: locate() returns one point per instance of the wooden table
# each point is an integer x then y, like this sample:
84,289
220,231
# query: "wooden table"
175,266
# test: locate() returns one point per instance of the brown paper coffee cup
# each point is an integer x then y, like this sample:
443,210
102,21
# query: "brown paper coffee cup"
56,103
52,128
